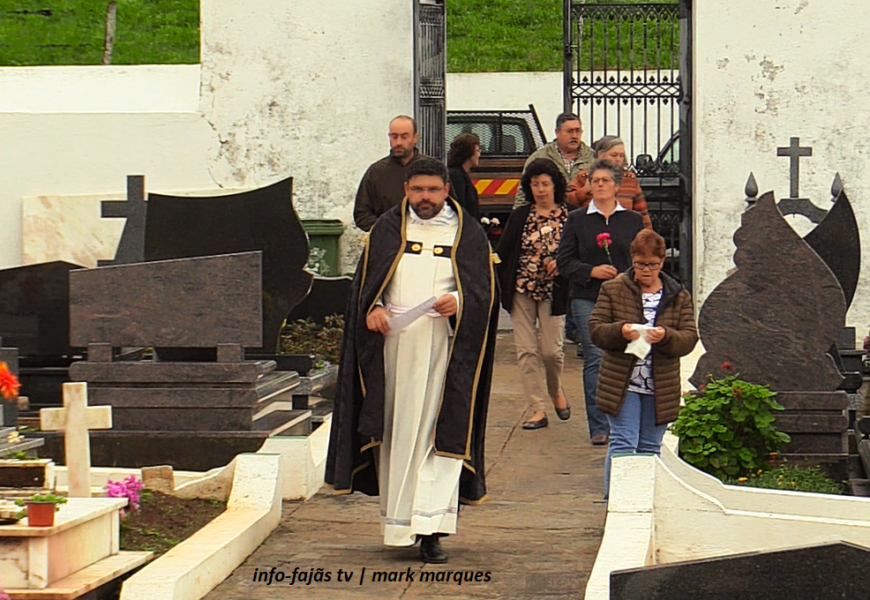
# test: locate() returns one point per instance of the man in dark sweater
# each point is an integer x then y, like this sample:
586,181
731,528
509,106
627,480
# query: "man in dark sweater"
383,185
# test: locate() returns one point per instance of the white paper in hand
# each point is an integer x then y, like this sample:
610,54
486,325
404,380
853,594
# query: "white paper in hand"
639,347
401,321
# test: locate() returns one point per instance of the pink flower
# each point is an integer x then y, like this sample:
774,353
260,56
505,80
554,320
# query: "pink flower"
129,489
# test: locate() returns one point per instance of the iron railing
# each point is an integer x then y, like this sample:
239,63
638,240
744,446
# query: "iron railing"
430,61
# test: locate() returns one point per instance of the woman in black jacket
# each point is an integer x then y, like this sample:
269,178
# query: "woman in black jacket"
596,247
533,292
463,156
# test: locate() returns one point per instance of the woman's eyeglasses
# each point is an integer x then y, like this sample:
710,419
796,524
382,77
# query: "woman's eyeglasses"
647,266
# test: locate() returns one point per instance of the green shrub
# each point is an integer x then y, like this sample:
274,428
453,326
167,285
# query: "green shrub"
726,428
792,477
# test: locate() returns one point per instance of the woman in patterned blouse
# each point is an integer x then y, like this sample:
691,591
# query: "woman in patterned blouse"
533,292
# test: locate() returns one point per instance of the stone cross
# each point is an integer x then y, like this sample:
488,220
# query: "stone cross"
76,418
131,248
794,152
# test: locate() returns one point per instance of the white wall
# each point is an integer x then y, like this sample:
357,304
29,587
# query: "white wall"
765,72
302,89
663,510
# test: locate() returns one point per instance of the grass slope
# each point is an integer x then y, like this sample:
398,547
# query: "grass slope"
504,35
482,35
70,32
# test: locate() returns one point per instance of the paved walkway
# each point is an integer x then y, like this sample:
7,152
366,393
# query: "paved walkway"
535,537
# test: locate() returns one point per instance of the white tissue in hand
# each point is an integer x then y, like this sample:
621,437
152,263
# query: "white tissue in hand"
639,347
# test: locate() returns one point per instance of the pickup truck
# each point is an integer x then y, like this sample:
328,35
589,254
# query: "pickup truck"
507,139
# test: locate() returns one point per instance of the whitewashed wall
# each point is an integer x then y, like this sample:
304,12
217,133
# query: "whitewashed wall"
302,89
765,72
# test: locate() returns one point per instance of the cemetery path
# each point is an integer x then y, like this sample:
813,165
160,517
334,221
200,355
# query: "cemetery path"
536,535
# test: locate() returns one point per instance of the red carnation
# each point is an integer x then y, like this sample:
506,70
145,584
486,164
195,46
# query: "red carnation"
9,384
604,241
727,366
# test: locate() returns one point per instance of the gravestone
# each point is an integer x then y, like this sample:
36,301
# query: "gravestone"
34,318
328,296
774,319
188,415
76,419
259,220
825,572
131,247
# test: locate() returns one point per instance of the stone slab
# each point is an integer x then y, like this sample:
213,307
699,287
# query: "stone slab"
194,567
185,419
195,302
826,572
812,423
773,327
816,443
827,401
37,473
85,531
86,580
162,372
189,451
258,220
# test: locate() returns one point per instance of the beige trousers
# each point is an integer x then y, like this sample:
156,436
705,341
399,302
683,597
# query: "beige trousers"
531,317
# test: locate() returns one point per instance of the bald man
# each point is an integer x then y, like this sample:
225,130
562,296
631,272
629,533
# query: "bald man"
382,187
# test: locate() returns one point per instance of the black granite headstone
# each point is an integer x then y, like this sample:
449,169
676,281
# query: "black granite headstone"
777,315
837,241
260,220
34,308
328,296
825,572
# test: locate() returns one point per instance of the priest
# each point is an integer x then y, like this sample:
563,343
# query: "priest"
411,399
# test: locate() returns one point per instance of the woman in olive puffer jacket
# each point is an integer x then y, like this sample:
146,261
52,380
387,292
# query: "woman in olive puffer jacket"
641,396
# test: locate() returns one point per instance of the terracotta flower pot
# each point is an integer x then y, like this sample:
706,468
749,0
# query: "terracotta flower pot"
40,514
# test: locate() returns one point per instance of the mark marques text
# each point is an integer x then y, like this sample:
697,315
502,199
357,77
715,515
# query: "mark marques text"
312,575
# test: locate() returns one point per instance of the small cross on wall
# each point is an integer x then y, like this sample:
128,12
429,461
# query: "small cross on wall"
76,419
794,152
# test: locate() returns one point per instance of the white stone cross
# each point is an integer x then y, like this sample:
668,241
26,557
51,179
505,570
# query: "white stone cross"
76,418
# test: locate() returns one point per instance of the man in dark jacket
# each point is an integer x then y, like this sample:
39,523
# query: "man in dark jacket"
382,187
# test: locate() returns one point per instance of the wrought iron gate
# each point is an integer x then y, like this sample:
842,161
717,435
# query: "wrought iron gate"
430,62
626,74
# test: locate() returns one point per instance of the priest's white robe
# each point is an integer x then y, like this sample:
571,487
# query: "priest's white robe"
419,490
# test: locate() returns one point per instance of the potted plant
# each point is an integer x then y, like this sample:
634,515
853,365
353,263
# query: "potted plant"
41,508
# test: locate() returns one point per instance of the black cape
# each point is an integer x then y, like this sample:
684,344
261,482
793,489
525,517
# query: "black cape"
358,416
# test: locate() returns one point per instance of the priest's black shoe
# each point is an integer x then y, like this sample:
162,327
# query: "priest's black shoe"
536,424
431,550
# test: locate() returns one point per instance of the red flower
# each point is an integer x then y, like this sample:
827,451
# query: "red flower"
603,240
703,385
9,384
727,366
